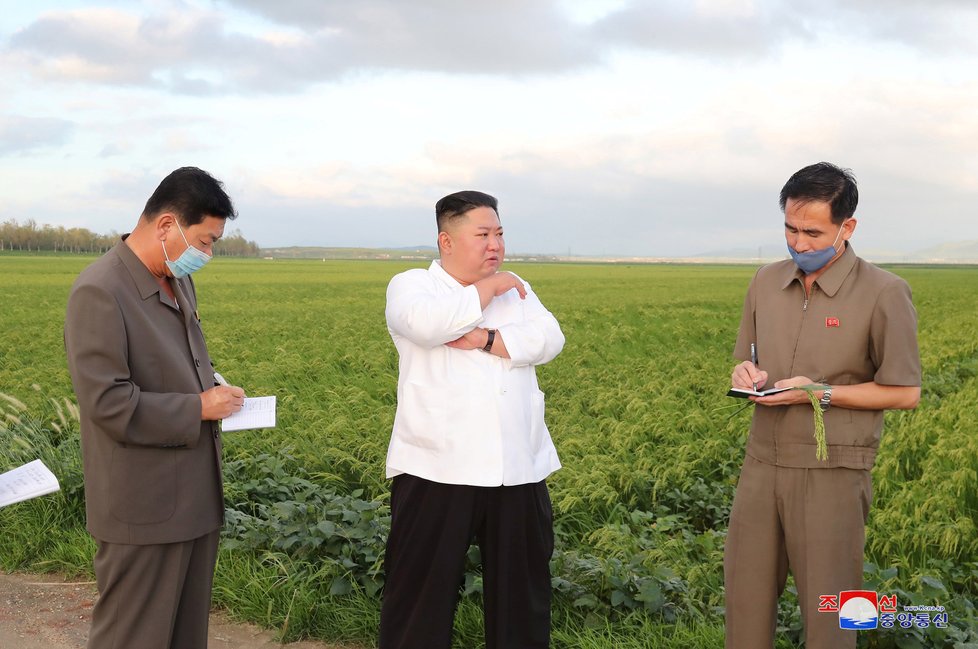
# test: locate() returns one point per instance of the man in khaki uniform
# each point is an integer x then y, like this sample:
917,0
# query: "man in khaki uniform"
825,317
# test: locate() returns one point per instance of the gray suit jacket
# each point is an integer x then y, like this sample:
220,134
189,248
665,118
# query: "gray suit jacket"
138,363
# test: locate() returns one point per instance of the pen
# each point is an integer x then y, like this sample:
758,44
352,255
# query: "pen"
753,359
221,381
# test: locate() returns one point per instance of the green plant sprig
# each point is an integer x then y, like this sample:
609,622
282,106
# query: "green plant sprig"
821,448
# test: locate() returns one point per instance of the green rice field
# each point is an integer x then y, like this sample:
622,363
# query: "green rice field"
650,445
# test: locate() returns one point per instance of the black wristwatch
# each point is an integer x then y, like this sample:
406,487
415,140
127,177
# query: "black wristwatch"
492,337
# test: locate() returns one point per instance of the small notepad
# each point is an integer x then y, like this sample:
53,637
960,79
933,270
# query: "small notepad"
743,394
257,412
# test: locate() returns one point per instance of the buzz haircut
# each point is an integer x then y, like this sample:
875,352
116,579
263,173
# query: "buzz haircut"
454,206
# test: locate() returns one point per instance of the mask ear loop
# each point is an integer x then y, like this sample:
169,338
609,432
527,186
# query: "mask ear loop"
181,233
163,241
839,234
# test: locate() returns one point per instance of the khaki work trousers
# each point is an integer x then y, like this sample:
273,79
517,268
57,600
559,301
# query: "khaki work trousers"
811,521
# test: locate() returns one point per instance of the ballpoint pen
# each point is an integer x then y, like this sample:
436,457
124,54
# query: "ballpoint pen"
753,359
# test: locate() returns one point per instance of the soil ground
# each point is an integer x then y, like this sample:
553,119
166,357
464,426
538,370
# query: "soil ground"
44,612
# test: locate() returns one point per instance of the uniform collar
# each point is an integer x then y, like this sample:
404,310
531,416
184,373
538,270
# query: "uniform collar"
145,282
831,280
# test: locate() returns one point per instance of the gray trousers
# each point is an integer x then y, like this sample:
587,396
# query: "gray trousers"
154,596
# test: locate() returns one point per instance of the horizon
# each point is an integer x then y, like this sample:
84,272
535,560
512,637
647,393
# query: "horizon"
953,253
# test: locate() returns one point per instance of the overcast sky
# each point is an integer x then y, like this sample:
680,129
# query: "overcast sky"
655,128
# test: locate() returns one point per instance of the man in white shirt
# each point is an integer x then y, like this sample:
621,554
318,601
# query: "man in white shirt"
470,451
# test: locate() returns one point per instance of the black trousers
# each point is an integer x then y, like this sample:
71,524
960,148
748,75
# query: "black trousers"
432,526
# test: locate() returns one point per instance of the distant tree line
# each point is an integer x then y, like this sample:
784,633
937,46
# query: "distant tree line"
235,245
30,237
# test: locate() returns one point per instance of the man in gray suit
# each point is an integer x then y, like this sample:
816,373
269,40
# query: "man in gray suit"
149,410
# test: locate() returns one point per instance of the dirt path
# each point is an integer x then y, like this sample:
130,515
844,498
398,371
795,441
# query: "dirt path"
43,612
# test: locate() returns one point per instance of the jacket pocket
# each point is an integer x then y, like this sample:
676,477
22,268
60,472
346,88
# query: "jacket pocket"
846,427
144,485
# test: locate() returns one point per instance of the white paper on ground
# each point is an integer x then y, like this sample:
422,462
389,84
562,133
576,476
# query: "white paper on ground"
25,482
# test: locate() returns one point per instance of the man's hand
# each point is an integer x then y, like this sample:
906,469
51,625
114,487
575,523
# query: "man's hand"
497,284
789,397
475,339
746,374
220,401
504,281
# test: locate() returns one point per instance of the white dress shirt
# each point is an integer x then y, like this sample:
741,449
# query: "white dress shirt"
465,416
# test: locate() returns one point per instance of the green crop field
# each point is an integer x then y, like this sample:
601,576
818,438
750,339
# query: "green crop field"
650,445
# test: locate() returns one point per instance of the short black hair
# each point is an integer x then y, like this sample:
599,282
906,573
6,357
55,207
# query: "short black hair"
824,182
191,194
454,206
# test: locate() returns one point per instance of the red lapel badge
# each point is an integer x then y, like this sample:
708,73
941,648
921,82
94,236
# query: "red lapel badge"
831,322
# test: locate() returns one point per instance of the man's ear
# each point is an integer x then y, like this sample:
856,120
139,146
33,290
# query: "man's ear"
444,243
163,223
848,231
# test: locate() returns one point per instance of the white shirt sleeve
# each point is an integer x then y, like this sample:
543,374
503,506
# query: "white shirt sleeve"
427,316
537,339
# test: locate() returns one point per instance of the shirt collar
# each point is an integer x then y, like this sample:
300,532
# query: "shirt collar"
831,280
145,282
442,274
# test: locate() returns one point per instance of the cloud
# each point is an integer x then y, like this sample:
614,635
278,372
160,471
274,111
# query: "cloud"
99,45
741,29
186,50
20,135
190,51
516,37
939,26
722,29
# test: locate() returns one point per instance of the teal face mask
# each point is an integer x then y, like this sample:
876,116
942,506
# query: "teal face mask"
189,262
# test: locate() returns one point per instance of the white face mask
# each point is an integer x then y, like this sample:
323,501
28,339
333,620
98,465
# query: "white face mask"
189,262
